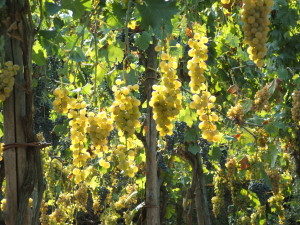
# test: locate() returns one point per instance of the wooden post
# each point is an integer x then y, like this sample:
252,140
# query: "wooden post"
20,172
152,187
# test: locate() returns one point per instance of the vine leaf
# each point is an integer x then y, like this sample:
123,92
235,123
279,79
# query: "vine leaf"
157,14
193,148
143,41
77,55
78,7
39,54
52,8
115,53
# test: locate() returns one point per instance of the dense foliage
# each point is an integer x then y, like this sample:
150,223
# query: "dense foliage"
226,93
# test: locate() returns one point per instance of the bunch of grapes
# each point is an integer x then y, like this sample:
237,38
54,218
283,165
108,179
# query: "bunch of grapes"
58,216
261,98
125,109
202,99
7,79
262,137
61,101
196,65
296,107
99,128
177,136
166,97
1,150
261,189
127,199
103,163
81,174
276,203
255,17
232,166
203,104
236,113
126,161
81,196
78,129
44,218
275,178
218,201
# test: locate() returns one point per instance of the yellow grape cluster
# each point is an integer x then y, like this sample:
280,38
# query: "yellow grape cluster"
218,201
1,150
99,128
81,196
255,17
125,108
78,129
236,113
261,98
203,103
61,101
296,107
275,202
7,79
81,174
127,199
126,161
166,97
196,65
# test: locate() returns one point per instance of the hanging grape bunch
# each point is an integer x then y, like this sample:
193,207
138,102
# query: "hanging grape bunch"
7,79
166,97
255,17
99,128
203,100
236,113
296,107
61,101
125,108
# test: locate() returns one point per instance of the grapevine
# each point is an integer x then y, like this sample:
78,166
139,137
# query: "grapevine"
203,101
61,101
166,97
99,128
296,107
255,17
7,79
1,150
125,109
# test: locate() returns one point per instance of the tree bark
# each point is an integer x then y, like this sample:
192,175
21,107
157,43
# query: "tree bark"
152,187
22,164
199,203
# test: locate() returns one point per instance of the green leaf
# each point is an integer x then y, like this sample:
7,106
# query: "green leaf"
157,14
188,116
94,183
273,154
48,34
52,8
131,77
232,40
247,105
77,55
115,53
2,3
193,148
116,17
78,7
143,41
191,135
39,58
39,54
283,73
